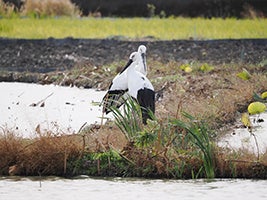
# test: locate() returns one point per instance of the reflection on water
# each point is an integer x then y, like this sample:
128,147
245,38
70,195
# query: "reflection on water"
122,188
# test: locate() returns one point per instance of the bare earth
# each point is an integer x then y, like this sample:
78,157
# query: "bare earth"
20,55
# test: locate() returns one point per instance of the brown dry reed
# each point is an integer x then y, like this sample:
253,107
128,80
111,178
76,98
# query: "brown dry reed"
50,8
47,154
41,8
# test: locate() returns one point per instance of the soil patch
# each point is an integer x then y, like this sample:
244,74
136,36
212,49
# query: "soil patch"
47,55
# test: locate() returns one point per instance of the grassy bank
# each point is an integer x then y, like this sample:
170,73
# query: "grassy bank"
175,145
134,28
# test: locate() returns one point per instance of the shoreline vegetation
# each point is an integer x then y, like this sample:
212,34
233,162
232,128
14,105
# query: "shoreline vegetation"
60,19
197,103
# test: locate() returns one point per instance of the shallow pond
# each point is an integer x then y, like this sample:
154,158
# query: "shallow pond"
122,188
50,107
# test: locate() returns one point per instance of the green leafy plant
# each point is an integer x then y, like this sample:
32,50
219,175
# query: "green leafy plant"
244,75
206,68
149,135
186,68
256,108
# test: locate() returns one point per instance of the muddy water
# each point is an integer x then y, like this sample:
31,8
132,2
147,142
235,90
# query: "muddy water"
241,138
120,188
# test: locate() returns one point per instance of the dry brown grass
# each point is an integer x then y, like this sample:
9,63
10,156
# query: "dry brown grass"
216,96
44,155
241,163
50,8
10,147
51,154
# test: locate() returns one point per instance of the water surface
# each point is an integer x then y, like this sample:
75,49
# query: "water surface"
126,188
54,108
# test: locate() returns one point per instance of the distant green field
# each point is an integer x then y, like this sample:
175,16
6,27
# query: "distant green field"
133,28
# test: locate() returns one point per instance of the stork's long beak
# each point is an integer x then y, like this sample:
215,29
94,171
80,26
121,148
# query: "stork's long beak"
127,65
144,61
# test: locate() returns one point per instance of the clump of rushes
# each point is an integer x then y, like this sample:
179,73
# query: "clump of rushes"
129,120
200,137
47,154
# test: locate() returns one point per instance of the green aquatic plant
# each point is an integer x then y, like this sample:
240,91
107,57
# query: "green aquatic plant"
129,120
148,135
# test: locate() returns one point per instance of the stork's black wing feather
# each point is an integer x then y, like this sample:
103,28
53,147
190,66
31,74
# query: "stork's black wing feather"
113,98
146,99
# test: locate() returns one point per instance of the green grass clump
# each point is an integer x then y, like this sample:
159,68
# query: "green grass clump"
133,28
128,120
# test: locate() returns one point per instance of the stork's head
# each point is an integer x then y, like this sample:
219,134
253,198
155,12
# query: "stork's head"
134,56
133,59
142,49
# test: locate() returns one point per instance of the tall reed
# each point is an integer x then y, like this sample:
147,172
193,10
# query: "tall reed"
200,137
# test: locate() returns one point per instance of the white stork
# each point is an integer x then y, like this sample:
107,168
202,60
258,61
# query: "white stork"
119,85
140,88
